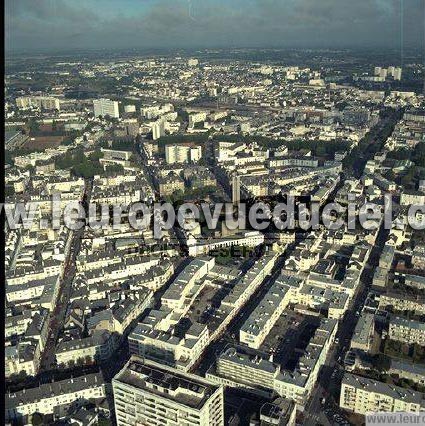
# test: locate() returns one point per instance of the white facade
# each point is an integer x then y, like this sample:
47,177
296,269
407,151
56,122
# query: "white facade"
103,107
158,129
44,102
149,393
182,154
193,62
362,395
407,331
130,108
46,397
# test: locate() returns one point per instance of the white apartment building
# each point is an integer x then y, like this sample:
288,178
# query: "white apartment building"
103,107
402,302
182,154
262,319
197,117
158,129
154,111
249,369
98,347
45,102
47,396
407,370
129,108
407,331
412,198
174,296
362,395
146,392
163,346
202,247
24,357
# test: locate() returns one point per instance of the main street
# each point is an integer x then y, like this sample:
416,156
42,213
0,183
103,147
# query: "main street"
331,372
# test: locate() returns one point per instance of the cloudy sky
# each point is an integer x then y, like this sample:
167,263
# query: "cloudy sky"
69,24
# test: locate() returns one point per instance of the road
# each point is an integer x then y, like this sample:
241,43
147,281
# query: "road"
373,141
58,316
345,331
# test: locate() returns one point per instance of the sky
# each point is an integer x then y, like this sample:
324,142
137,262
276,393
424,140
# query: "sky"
97,24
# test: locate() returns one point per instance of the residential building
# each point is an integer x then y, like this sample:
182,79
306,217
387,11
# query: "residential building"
158,129
41,102
362,395
407,331
146,392
44,398
105,107
182,154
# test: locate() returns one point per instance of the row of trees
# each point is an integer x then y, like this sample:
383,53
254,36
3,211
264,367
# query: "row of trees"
417,155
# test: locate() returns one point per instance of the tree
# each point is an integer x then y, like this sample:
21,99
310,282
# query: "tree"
399,154
419,154
8,157
114,169
33,125
408,178
22,375
382,362
37,419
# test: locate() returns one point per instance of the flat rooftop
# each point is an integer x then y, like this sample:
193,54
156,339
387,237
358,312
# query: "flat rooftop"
392,391
166,382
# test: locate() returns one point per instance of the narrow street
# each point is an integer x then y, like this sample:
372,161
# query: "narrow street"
58,316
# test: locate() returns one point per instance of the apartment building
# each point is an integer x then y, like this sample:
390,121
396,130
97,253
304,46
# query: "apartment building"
103,107
170,184
251,369
197,117
97,347
408,198
154,337
44,398
262,319
407,331
44,102
362,395
24,357
200,247
146,392
158,129
402,302
182,154
407,370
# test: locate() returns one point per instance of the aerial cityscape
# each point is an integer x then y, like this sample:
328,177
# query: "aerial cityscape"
214,213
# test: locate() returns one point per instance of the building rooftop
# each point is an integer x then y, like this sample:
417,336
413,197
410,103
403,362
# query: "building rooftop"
396,392
166,382
49,390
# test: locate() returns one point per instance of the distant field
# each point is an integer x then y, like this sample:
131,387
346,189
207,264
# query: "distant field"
43,142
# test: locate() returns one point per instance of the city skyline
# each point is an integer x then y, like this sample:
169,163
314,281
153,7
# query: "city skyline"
395,24
200,233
